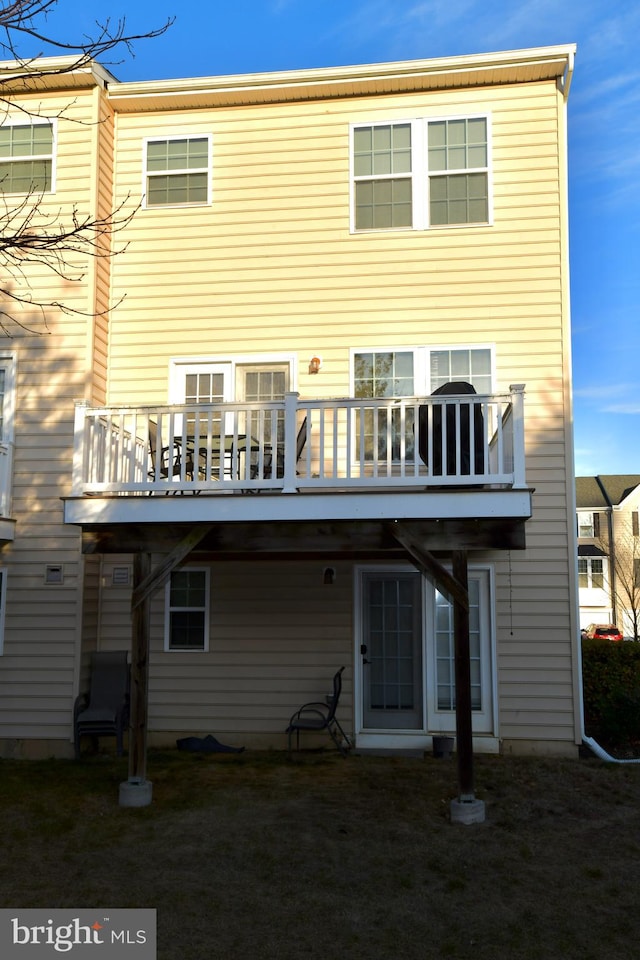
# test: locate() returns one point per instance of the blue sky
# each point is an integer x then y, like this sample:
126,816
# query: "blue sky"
212,37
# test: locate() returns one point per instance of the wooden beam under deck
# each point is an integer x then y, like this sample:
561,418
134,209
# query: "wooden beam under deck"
356,538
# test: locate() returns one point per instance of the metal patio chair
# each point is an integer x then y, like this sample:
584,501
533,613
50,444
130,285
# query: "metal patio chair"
104,710
317,716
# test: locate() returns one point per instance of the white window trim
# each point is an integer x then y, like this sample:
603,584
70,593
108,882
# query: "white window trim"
586,513
605,574
179,366
419,175
207,615
161,138
3,604
484,722
8,363
421,365
23,120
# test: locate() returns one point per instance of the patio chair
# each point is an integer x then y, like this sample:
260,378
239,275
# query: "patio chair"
167,461
104,710
317,716
301,439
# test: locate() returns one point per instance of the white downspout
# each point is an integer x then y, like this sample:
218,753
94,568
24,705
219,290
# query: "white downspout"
595,747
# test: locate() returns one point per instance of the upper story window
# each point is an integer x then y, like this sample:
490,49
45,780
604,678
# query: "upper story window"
178,171
458,160
588,524
382,176
26,157
416,174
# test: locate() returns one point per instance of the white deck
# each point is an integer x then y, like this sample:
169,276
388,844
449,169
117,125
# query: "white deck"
342,458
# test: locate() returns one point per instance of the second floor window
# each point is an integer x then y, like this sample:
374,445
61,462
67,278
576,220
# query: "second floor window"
382,172
26,157
177,172
417,174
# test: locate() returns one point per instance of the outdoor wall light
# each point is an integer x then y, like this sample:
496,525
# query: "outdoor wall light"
314,364
329,576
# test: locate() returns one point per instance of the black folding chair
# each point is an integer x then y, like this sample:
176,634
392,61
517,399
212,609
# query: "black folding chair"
317,716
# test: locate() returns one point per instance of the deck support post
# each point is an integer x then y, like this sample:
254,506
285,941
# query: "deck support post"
464,734
136,792
466,808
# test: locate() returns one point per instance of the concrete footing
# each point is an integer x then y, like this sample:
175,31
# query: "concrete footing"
136,793
467,811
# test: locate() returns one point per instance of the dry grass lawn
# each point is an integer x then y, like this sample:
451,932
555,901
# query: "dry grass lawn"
255,857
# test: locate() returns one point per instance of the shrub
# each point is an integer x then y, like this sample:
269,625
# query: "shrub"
611,682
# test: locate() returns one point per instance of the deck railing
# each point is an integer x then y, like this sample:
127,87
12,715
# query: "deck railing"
297,445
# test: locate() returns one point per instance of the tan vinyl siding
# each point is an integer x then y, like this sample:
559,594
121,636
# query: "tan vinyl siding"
37,669
271,266
104,185
266,657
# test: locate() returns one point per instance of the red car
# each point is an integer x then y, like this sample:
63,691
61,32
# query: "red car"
603,631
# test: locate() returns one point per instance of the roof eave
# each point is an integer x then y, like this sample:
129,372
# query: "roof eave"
541,63
52,73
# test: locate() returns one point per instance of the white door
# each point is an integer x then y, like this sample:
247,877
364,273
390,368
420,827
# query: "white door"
406,656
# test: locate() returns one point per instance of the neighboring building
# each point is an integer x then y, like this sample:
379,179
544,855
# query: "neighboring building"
609,550
315,254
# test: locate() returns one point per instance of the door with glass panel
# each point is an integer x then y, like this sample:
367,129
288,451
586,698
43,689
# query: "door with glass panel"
203,387
391,650
261,383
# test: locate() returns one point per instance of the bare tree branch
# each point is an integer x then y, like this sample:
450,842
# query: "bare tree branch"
625,560
57,243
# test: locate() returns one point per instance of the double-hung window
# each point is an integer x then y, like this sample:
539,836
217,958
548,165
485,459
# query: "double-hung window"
27,157
382,176
588,524
177,171
591,573
416,174
187,610
457,164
